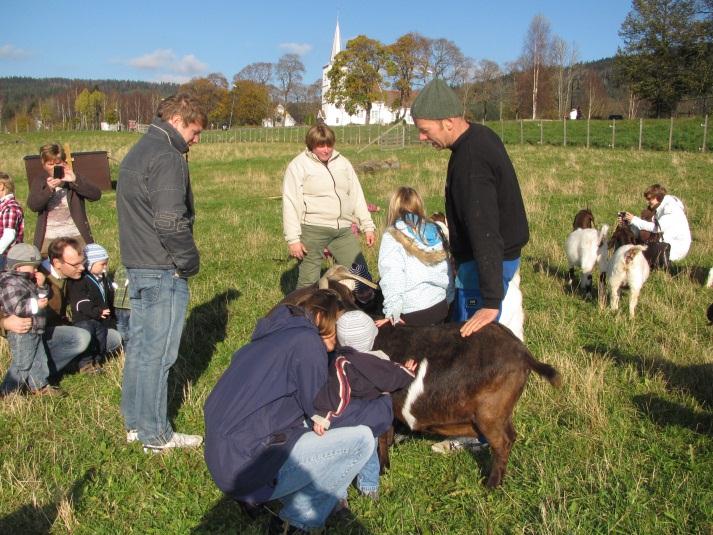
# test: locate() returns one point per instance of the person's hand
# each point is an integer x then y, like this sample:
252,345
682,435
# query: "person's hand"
69,175
479,320
54,182
16,324
105,313
318,428
370,238
42,303
628,217
40,278
411,365
380,323
297,250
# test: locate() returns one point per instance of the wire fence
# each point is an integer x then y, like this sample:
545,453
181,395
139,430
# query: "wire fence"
681,134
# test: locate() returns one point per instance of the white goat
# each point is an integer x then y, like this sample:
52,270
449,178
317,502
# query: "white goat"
584,248
627,266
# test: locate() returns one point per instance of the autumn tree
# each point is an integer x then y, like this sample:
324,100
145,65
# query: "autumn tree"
247,103
260,73
357,75
535,55
443,60
658,53
288,73
208,93
408,56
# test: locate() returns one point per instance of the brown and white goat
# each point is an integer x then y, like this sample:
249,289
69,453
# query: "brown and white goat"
627,266
463,387
584,248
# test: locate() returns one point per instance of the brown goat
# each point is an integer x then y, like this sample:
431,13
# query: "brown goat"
464,386
583,219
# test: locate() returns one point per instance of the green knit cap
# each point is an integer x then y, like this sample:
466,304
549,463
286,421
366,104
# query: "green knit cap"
436,101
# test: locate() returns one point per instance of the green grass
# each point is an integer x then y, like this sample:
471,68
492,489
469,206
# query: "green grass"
626,445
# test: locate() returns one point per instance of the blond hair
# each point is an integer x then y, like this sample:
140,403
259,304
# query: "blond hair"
7,182
405,200
52,152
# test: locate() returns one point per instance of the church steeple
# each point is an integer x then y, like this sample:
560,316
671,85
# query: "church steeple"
336,43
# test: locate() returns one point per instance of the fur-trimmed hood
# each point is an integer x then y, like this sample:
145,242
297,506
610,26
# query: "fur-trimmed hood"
424,242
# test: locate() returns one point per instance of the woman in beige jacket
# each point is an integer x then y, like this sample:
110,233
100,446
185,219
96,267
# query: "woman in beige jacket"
321,198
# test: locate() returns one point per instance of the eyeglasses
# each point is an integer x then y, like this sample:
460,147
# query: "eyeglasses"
81,262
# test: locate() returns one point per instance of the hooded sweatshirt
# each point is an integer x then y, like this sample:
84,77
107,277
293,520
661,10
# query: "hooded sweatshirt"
672,222
257,410
414,268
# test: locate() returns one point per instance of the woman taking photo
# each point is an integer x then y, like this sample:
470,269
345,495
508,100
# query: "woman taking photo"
259,442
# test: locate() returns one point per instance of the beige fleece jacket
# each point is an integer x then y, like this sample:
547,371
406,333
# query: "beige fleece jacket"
322,195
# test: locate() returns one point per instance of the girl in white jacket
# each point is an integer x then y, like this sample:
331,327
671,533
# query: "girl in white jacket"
669,219
413,264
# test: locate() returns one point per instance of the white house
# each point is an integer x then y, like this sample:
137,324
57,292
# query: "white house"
381,112
277,118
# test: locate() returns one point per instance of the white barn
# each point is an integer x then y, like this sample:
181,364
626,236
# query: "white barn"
381,112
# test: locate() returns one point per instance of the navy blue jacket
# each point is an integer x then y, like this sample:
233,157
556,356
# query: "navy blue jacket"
256,411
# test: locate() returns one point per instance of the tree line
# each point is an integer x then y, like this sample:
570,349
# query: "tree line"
664,67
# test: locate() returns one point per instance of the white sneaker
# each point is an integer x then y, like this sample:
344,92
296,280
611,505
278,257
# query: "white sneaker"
132,436
456,444
178,440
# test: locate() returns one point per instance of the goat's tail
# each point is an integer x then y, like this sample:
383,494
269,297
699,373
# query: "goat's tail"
545,370
631,253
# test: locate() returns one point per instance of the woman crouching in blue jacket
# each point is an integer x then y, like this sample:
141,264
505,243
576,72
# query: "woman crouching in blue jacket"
259,443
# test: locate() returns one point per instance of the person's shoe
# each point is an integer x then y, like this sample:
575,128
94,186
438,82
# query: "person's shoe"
178,440
373,495
277,526
132,436
91,368
456,444
49,391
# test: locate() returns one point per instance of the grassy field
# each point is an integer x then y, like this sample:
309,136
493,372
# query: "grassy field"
625,446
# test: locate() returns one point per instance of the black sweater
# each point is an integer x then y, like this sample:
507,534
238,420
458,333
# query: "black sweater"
486,215
87,300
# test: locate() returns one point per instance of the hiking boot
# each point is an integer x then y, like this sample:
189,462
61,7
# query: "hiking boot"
178,440
456,444
132,436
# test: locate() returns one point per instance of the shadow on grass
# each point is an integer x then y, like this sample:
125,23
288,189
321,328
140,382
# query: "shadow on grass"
205,328
288,279
697,274
38,519
696,379
229,517
665,413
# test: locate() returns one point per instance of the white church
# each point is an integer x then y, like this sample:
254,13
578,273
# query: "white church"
381,112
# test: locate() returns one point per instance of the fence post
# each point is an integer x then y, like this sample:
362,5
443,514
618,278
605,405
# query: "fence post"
670,135
541,139
641,130
705,133
588,119
613,133
522,139
502,130
564,127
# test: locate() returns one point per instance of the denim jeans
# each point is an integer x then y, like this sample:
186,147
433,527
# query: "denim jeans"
102,341
122,323
29,363
368,477
319,471
65,343
158,309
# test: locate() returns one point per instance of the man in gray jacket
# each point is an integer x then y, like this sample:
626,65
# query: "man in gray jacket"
155,208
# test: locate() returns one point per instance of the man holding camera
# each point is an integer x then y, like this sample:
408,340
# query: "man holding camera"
57,195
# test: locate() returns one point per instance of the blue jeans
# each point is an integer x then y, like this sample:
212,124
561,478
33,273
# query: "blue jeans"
64,344
29,363
122,323
319,471
468,299
102,341
368,477
158,309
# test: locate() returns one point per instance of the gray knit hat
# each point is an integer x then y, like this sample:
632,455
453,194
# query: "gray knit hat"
93,253
356,329
436,101
23,254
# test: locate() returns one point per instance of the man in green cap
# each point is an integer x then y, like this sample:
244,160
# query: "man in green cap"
486,215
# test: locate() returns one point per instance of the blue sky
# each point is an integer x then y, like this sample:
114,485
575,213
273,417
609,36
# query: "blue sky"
157,40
